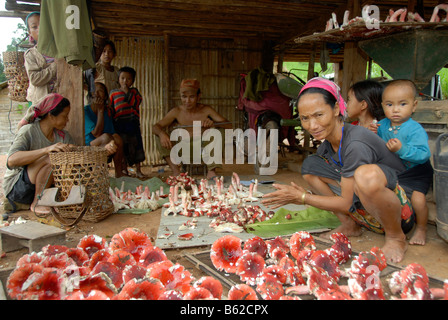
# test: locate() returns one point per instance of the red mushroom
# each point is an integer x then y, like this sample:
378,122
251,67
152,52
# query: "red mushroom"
131,240
277,242
300,241
150,255
18,276
182,279
294,277
285,263
321,258
411,283
53,249
277,272
318,279
171,295
211,284
92,295
277,254
114,273
58,261
30,258
100,282
225,252
161,270
121,258
242,292
78,255
198,293
249,267
341,250
133,272
101,255
49,284
144,289
256,244
368,259
269,287
91,244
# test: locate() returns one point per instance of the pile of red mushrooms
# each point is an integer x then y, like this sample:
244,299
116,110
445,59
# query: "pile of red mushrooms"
129,267
294,269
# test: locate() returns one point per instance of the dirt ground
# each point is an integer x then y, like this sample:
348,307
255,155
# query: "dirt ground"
433,256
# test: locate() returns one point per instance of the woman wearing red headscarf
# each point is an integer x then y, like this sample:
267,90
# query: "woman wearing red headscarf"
28,169
353,174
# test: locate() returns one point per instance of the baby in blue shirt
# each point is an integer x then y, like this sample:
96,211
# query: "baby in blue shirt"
409,140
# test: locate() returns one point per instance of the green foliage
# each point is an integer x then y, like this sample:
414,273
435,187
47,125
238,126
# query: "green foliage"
20,34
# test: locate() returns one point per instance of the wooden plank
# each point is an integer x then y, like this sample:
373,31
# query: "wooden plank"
354,67
32,235
69,85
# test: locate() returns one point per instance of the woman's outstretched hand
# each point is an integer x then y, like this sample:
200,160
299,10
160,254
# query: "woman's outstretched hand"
284,195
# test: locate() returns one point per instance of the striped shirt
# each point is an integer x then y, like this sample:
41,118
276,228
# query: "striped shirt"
126,106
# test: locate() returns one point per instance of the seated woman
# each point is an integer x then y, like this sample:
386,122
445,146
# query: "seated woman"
356,165
99,128
28,168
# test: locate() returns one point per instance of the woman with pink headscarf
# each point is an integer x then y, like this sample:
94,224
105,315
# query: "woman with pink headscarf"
353,174
28,169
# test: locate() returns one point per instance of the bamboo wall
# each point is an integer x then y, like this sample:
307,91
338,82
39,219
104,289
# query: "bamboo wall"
146,56
162,63
217,64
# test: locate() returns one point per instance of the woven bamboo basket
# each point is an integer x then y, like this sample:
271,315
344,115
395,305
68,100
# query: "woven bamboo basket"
16,74
83,166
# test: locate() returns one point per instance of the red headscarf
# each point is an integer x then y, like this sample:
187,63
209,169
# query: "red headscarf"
329,86
45,105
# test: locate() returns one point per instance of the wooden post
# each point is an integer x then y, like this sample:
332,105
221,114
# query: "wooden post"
70,85
354,66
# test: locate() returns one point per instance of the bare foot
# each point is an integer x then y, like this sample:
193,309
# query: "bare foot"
40,209
348,229
419,236
394,249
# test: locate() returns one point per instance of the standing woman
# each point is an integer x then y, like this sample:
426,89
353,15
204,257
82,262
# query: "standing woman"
28,168
353,174
41,70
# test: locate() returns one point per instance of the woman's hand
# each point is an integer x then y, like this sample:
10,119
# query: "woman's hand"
59,147
284,195
98,104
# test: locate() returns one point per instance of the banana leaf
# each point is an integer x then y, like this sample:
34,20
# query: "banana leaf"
305,220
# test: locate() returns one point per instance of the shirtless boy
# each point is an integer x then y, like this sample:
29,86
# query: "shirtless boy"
189,111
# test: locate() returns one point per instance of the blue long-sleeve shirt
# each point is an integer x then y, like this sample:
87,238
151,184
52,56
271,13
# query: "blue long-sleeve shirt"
414,139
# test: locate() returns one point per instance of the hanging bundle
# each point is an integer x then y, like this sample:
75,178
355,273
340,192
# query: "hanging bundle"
15,72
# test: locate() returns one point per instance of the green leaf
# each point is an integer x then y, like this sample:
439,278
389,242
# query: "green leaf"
305,220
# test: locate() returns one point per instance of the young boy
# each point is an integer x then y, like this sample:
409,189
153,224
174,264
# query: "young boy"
190,110
125,102
409,140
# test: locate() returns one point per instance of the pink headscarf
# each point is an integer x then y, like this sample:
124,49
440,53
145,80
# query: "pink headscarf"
45,105
329,86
